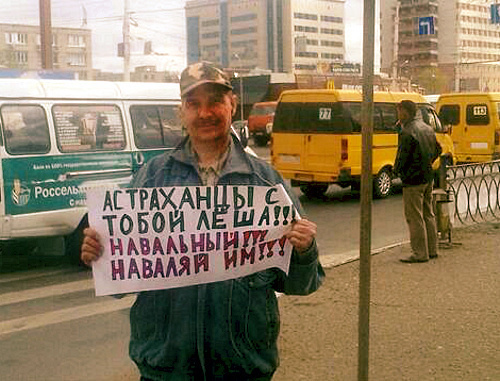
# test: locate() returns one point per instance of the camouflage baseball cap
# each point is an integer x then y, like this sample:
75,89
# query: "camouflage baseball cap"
200,73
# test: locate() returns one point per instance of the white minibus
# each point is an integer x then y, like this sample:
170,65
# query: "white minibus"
59,138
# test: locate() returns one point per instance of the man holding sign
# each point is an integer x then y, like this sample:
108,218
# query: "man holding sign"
211,329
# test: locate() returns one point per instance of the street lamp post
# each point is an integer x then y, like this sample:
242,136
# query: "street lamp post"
235,55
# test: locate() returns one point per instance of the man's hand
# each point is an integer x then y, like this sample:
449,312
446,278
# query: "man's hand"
91,248
302,234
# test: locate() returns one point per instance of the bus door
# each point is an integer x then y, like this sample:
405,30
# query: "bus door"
430,117
450,116
479,130
289,140
326,134
385,138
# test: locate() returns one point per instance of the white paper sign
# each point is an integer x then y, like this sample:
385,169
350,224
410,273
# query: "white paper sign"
159,238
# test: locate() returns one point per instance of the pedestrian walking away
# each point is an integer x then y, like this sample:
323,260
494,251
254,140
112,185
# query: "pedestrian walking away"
224,330
417,150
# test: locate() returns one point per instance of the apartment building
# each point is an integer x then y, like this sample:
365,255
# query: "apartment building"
291,36
441,45
20,48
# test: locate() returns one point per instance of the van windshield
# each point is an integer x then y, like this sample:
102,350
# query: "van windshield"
320,117
263,110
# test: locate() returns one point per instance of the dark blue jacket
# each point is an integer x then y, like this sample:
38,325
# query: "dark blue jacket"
222,330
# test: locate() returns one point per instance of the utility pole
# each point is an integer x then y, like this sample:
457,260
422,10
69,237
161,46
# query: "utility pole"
45,34
126,42
241,97
366,190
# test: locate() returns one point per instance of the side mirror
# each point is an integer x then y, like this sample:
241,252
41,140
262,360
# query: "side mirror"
241,130
244,135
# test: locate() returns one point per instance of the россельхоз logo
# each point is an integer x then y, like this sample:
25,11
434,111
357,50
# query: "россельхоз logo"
20,193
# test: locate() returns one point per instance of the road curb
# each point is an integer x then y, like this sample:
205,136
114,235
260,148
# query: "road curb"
334,260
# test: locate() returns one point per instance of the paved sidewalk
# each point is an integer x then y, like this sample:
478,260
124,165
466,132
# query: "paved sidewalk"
429,321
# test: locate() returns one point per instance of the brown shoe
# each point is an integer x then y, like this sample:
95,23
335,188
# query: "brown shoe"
413,259
434,256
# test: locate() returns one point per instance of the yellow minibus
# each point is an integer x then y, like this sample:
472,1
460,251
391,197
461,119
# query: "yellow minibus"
475,124
316,138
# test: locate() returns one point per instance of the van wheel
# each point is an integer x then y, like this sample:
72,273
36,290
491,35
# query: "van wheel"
260,140
314,190
73,243
16,247
356,186
382,184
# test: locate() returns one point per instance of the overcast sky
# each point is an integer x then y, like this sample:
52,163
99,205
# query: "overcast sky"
161,21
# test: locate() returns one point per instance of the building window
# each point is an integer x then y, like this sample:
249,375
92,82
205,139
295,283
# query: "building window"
210,23
210,35
21,57
251,29
244,43
306,54
312,42
305,16
332,56
76,59
305,67
39,40
332,19
16,38
309,29
210,48
332,31
337,44
247,17
76,40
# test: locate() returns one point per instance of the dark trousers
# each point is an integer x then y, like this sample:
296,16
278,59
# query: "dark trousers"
419,213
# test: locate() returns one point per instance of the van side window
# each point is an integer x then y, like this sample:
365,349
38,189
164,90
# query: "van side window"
156,126
353,113
450,114
429,117
320,117
25,129
389,117
81,128
437,122
477,114
262,110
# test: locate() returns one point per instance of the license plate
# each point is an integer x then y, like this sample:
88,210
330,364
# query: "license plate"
303,177
290,159
479,145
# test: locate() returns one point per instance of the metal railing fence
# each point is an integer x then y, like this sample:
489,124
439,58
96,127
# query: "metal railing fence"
476,191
